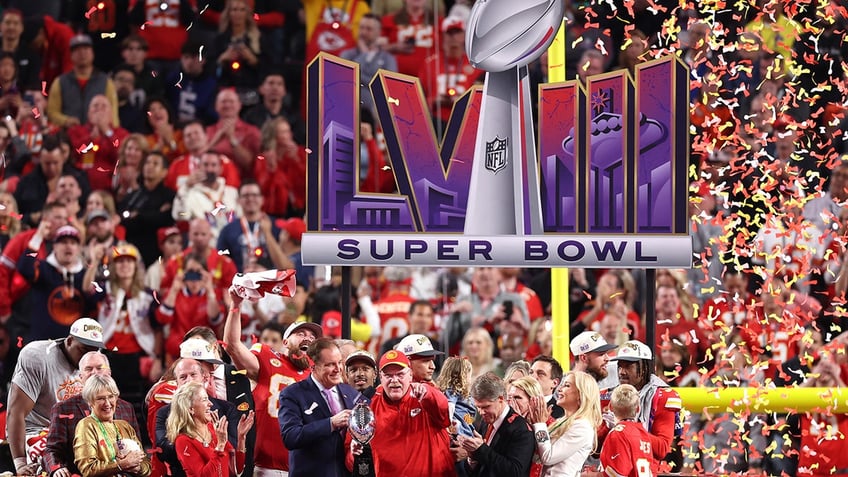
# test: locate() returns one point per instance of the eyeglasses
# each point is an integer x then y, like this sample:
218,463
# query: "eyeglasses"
107,398
394,376
250,195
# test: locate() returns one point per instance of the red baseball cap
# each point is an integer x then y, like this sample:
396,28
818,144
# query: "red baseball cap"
294,226
394,357
331,323
163,233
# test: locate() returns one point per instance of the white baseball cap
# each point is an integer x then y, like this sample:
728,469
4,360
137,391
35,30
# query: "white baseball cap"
417,345
199,349
589,341
315,327
633,350
88,332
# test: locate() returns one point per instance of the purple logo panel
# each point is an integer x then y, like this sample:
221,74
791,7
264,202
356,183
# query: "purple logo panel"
436,179
560,108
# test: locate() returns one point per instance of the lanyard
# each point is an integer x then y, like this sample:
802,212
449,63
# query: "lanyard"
251,236
106,436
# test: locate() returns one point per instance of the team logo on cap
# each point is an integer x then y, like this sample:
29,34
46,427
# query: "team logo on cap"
391,354
406,349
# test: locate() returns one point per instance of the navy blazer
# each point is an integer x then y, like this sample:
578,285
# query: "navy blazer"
314,448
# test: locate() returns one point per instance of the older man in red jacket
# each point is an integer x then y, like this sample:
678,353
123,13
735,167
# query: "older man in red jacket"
410,436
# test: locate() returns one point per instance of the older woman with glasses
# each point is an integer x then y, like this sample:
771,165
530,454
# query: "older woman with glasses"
103,445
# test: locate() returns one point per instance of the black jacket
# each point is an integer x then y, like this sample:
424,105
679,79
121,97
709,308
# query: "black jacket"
511,452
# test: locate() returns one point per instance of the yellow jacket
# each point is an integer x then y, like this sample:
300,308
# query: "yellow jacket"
93,458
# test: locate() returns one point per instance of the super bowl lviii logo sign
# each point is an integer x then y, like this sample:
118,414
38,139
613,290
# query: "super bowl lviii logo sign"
606,186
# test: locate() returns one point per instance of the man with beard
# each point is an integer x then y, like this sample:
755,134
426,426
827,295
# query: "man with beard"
362,372
211,198
315,412
272,371
590,356
659,405
411,421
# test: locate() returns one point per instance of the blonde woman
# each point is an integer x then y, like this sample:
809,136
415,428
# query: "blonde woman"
201,436
10,222
126,313
103,445
127,173
455,382
516,370
478,347
238,47
564,445
519,396
520,393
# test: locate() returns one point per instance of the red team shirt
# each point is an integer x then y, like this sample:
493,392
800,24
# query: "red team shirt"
394,319
276,372
416,31
627,451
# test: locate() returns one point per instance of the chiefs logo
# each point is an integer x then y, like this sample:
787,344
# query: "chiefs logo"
65,305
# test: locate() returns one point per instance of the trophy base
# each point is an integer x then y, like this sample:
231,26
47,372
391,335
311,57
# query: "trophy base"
363,464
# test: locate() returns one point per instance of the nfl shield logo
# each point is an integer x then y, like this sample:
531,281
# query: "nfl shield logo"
496,154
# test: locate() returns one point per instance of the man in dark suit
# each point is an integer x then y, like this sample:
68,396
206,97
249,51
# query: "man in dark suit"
64,416
314,414
503,445
192,371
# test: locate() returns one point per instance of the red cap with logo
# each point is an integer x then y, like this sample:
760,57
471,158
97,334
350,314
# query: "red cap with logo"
394,357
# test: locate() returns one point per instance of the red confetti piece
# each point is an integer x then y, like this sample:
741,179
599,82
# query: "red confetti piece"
20,341
66,416
44,88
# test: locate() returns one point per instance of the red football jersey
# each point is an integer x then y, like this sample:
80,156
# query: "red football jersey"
276,372
394,319
416,32
627,451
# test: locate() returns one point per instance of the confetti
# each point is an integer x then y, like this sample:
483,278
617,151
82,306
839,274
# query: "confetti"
66,416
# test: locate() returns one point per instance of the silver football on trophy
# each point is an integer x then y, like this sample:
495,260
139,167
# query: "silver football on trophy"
361,423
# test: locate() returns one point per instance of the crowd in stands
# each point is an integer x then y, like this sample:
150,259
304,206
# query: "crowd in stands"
153,149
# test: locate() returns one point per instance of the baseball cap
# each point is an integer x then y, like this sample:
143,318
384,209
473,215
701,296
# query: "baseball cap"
80,40
66,231
633,350
331,324
416,346
294,226
88,331
397,274
452,24
164,232
393,356
199,349
125,250
96,214
315,327
361,355
589,341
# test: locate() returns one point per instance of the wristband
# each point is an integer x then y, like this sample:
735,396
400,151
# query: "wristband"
20,462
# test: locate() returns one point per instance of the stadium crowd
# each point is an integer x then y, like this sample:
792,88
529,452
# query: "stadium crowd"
153,149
